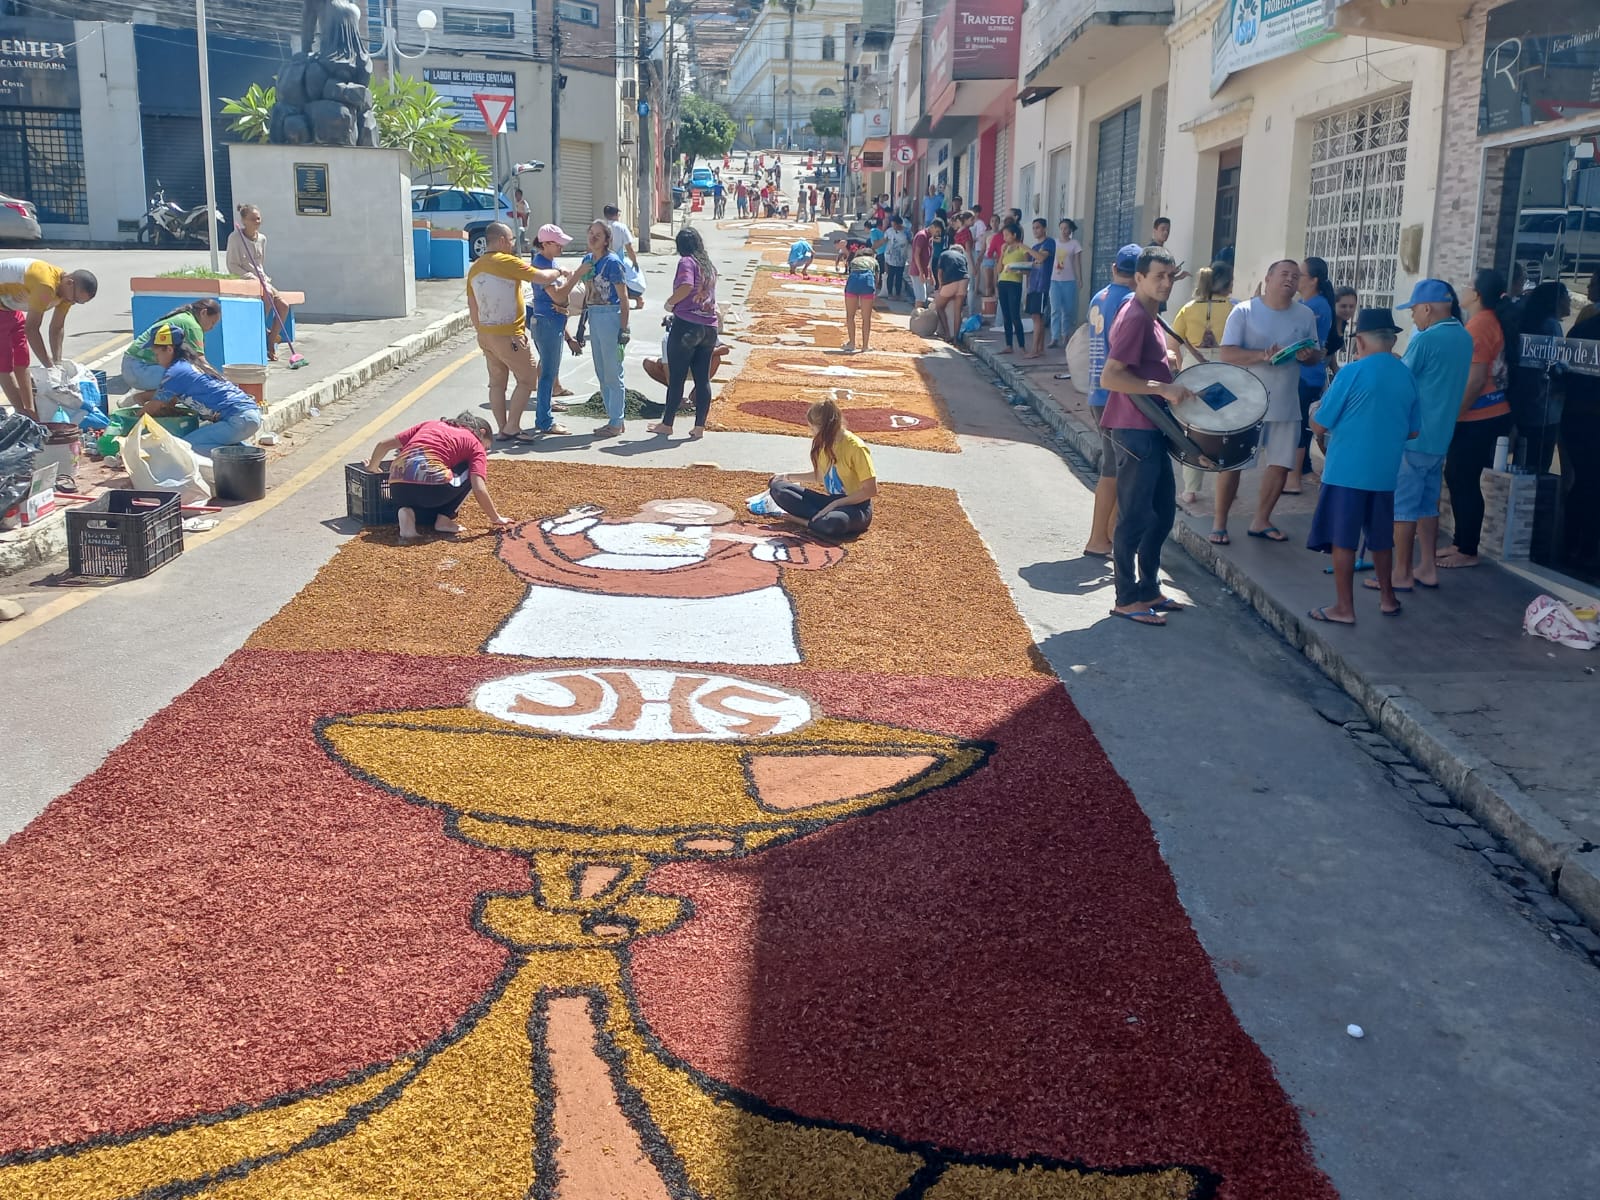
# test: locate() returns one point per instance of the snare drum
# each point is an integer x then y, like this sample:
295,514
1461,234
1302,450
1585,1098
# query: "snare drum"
1227,436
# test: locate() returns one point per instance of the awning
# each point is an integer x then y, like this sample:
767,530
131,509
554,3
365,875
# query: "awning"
878,145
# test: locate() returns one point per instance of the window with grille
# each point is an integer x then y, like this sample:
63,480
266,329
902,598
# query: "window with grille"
1358,177
827,48
466,22
41,159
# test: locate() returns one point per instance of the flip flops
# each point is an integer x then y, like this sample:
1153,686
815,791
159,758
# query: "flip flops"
1372,585
1321,614
1219,537
1145,616
1267,534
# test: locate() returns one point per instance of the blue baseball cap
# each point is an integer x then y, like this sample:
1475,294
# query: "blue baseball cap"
1430,291
1128,258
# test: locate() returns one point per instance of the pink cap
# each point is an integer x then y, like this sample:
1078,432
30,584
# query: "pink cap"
552,233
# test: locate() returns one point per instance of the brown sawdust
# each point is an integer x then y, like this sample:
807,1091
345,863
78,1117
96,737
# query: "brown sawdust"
827,330
729,412
884,608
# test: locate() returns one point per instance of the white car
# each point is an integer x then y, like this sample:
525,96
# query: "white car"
471,209
18,220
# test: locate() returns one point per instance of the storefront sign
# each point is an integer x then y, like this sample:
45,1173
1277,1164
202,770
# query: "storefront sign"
458,87
1541,62
1248,32
38,64
311,189
973,39
1576,354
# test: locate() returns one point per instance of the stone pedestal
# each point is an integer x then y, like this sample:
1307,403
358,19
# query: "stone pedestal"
355,261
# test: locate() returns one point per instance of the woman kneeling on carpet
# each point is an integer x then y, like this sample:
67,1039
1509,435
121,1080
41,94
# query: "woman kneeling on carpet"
438,464
841,467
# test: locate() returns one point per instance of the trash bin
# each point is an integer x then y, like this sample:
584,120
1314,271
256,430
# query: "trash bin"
239,472
249,378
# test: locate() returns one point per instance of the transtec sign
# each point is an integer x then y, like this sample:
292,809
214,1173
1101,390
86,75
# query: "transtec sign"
1248,32
458,89
38,64
974,39
1541,62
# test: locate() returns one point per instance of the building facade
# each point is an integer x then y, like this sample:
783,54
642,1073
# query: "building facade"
759,72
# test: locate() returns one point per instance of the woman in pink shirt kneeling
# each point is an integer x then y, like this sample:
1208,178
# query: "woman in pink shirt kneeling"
438,463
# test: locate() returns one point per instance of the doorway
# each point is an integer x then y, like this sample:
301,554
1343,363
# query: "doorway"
1225,224
1116,190
1058,201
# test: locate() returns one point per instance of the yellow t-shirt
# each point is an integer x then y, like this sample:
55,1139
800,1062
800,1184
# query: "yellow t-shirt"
1014,263
1195,317
29,285
847,464
496,281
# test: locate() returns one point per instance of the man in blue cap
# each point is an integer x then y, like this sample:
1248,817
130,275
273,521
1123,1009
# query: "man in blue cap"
1368,413
1440,357
1103,310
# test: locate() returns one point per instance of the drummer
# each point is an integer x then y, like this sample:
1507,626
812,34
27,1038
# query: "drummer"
1137,362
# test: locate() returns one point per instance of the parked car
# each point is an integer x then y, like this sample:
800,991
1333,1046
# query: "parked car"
471,209
18,220
702,180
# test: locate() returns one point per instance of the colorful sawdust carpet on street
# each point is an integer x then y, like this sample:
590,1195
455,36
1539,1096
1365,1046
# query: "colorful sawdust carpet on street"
641,851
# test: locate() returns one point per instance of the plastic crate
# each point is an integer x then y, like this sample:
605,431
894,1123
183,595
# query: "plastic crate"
124,534
366,495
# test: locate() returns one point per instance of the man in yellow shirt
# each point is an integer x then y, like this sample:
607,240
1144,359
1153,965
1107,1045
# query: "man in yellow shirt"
495,300
29,288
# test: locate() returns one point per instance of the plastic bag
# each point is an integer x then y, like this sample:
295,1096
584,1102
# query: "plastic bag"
971,325
158,461
21,439
1554,621
66,385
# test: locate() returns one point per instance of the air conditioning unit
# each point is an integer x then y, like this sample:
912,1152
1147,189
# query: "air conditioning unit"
630,89
626,136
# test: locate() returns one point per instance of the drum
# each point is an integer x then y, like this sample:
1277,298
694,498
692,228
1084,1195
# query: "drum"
1224,430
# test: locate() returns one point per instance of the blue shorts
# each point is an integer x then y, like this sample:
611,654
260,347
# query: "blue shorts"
1344,514
861,283
1416,491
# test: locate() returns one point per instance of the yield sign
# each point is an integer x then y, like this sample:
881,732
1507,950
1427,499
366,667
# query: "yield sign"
494,108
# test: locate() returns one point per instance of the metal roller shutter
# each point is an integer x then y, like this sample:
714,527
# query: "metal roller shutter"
578,205
1116,182
1002,167
172,156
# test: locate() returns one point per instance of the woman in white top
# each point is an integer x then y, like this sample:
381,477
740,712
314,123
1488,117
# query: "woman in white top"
1064,283
247,258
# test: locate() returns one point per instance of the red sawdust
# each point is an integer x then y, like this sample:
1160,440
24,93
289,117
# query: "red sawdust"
1000,966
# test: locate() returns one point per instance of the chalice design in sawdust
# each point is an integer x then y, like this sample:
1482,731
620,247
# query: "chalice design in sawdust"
553,1084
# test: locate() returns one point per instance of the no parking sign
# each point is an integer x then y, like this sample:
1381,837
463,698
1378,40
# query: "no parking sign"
902,150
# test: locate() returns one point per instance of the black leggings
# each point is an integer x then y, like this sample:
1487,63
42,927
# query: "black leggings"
1011,310
802,502
689,349
1471,450
430,500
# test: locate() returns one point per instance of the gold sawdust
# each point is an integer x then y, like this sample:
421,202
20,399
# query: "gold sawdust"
968,1182
885,608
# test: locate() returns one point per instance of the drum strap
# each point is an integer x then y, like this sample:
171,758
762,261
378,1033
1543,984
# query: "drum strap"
1161,417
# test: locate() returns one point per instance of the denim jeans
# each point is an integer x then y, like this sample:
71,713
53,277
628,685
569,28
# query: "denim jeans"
1146,508
605,324
230,431
548,341
1063,308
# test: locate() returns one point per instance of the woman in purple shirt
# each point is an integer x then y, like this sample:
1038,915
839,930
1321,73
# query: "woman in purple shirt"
693,335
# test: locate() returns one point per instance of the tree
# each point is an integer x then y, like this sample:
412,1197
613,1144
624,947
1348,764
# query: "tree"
705,130
827,122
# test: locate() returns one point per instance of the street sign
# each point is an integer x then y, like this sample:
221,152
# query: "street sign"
494,108
458,86
902,150
856,164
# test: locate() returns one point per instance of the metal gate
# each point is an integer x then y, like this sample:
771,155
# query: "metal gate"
1358,183
41,159
1002,166
577,183
1116,182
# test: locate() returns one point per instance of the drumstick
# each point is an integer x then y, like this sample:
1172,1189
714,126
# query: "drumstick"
1182,341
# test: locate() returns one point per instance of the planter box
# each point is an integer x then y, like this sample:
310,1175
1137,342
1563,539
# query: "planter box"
241,335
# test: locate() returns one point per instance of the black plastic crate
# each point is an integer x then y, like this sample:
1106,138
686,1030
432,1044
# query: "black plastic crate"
366,495
124,534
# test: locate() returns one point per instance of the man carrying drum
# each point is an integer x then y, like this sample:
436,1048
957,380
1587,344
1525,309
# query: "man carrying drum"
1147,495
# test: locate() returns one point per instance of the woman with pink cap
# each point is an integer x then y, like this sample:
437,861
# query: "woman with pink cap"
549,325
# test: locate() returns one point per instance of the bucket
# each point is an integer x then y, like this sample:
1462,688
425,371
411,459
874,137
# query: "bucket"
239,472
249,378
63,446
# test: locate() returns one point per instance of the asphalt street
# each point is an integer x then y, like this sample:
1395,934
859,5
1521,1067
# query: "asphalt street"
1323,899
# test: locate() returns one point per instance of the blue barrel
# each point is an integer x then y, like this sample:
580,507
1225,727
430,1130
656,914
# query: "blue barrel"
422,251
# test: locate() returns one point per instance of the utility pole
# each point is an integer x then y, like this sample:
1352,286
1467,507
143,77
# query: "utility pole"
555,113
849,96
646,115
205,127
774,112
788,129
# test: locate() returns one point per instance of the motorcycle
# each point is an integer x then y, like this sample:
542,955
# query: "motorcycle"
168,222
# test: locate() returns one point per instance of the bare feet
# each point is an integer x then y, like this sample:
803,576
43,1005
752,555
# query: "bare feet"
1007,350
1453,559
1189,497
446,525
661,428
407,520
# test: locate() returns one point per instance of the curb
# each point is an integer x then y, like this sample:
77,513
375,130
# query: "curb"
48,540
1568,866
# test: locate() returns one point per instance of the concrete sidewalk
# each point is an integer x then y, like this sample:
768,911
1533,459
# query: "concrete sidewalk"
1500,720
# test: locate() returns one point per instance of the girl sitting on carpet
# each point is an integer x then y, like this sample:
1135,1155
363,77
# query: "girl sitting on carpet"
841,466
438,464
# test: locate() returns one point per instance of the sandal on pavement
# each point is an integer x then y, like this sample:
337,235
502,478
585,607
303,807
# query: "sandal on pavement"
1321,614
1219,537
1145,616
658,428
1271,534
1393,612
1106,554
1372,585
608,431
1166,604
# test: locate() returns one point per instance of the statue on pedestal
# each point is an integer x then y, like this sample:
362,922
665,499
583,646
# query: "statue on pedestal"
323,94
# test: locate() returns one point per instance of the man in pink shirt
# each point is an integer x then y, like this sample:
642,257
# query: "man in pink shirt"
1147,500
921,266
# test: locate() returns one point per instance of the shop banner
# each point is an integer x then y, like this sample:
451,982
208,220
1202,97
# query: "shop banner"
38,64
458,89
1541,62
1248,32
973,39
1576,354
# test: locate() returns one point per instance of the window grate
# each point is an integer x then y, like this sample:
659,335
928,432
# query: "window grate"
41,159
1358,176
